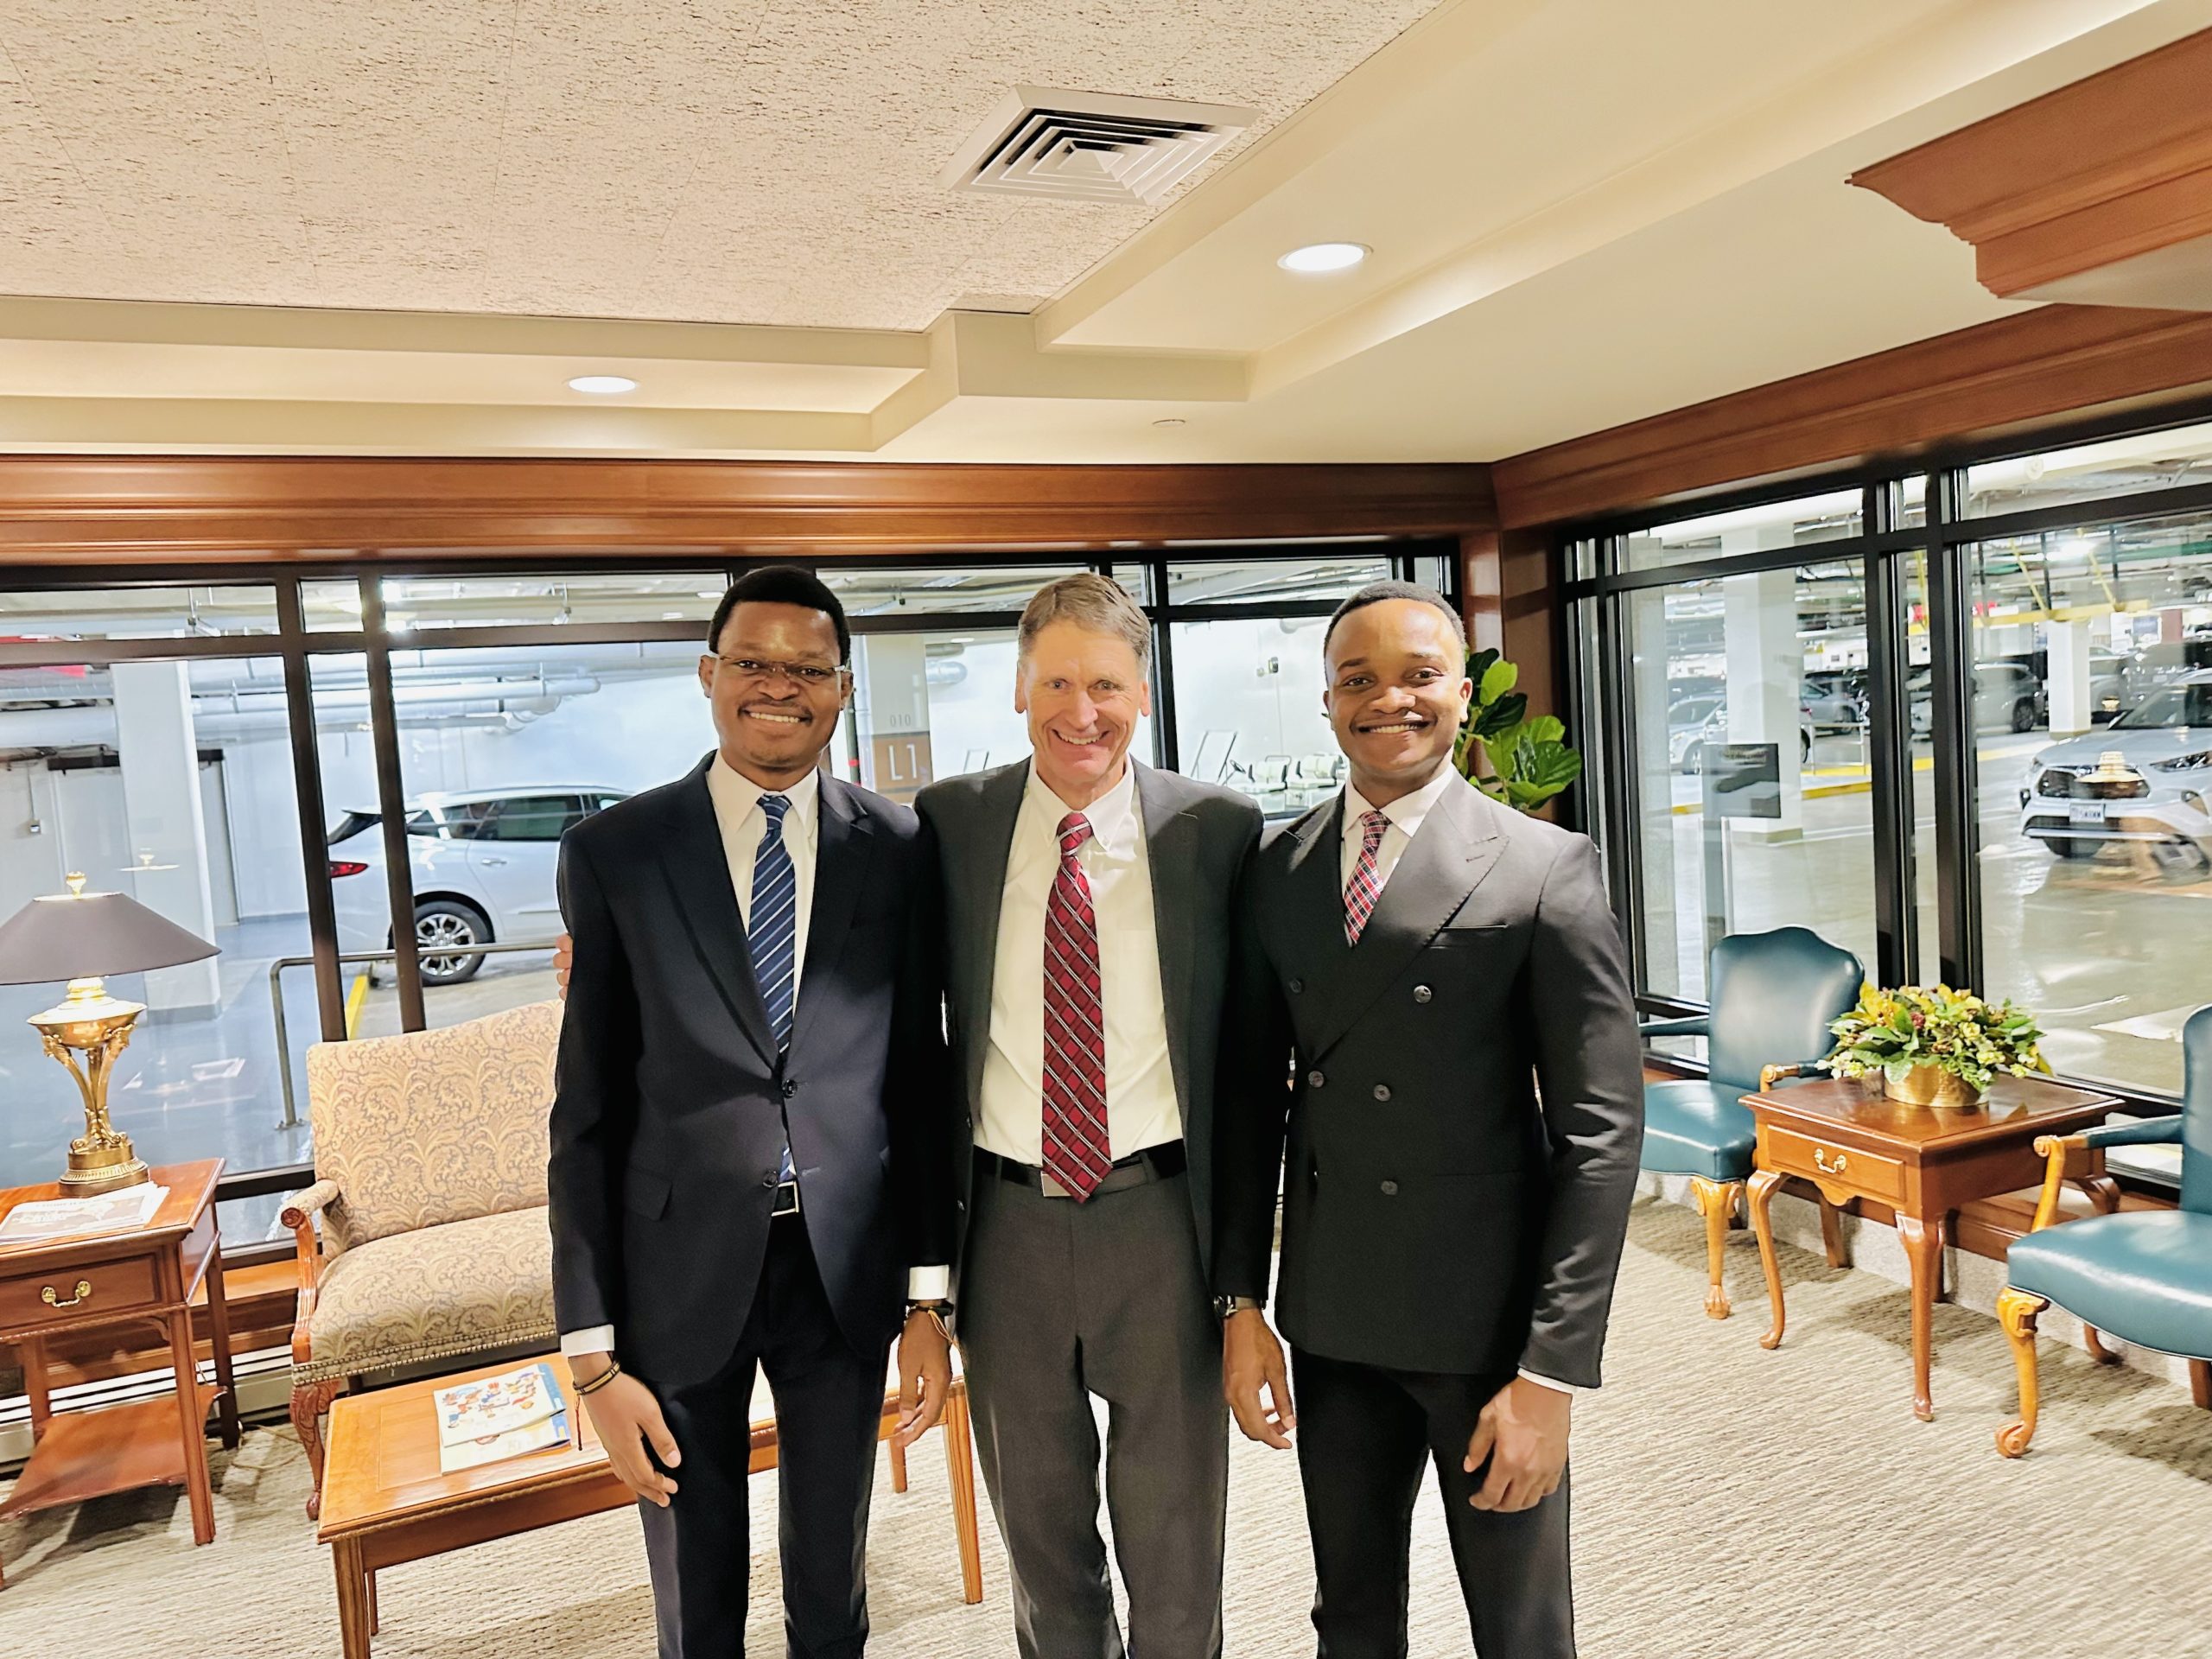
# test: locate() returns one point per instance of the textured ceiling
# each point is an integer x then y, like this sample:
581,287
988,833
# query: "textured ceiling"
763,163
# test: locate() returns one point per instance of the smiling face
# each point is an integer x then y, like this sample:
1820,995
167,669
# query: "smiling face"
1084,693
772,715
1397,692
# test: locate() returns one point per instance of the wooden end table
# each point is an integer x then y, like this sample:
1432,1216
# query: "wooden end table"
1919,1162
55,1287
385,1501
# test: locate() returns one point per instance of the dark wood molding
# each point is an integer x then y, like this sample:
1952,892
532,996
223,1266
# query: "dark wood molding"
2010,375
145,508
2115,167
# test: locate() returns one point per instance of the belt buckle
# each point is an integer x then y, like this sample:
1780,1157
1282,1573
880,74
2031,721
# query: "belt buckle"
787,1200
1051,1187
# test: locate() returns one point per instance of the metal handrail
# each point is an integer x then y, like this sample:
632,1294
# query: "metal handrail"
291,1119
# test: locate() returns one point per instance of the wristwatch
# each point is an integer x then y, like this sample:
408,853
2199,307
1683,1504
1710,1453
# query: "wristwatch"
1225,1306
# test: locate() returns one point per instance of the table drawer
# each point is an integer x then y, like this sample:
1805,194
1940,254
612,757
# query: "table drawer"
1865,1173
83,1292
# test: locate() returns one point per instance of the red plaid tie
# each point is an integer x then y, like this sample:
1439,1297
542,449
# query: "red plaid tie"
1366,884
1076,1144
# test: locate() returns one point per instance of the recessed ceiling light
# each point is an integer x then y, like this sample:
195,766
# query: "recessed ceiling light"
603,385
1171,420
1325,255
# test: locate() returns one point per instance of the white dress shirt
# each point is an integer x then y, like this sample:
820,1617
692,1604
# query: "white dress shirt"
1141,1109
1406,814
742,824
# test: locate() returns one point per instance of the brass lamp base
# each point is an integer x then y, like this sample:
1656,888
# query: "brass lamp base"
99,1025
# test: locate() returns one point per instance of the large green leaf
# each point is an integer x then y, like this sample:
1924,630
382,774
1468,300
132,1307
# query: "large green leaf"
1497,679
1506,712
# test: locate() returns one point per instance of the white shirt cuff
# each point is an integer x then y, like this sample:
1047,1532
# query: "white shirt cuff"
593,1340
1528,1376
928,1284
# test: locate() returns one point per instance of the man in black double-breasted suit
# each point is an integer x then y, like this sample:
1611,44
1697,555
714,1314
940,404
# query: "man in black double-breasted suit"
750,1158
1444,984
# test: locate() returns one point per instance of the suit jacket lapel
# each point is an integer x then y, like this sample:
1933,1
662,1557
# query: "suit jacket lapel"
1171,854
697,871
1456,847
986,855
843,843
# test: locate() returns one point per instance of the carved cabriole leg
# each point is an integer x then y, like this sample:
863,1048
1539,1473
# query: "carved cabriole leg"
1831,1234
309,1401
1716,1202
1762,1183
1924,1252
2103,1354
2016,1311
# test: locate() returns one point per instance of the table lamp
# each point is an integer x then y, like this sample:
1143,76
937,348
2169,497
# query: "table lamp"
79,936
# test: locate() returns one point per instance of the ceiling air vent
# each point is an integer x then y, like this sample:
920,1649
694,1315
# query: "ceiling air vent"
1092,146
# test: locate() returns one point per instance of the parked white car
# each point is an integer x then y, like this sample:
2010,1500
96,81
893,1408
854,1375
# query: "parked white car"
2164,802
482,864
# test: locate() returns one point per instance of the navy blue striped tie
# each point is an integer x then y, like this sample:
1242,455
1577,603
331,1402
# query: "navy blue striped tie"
773,933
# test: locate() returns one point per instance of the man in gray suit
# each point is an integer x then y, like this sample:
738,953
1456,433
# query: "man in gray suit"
1446,979
1088,913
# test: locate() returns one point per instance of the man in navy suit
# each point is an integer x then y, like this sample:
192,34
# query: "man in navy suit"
751,1166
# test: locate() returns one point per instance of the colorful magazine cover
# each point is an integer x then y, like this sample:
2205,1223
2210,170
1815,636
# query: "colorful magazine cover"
495,1406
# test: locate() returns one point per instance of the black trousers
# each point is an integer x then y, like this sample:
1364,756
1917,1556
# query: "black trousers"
1364,1434
828,1403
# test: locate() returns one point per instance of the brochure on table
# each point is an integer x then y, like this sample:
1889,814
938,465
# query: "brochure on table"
123,1210
509,1415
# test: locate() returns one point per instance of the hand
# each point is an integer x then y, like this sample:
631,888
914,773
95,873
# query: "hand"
628,1418
924,1378
1250,1357
1523,1430
564,958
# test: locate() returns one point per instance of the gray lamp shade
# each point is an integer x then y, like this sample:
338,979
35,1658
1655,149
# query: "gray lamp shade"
91,935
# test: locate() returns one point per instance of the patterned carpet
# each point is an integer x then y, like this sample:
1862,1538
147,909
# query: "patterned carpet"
1729,1501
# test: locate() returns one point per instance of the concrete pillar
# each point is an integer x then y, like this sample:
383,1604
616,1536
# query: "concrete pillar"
165,824
2068,683
891,706
1766,673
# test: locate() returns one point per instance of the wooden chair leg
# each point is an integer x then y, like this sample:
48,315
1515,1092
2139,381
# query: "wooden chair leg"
309,1401
2095,1340
2200,1383
1831,1234
898,1467
960,1463
1716,1202
376,1621
2016,1311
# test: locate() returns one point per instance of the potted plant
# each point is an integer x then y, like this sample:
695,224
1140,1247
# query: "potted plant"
1511,758
1933,1046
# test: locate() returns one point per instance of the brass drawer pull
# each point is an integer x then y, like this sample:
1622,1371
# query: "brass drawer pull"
83,1292
1820,1162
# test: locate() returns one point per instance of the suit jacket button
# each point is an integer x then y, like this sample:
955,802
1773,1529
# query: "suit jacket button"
1314,1079
769,1180
1296,986
1389,1189
1422,994
1383,1091
790,1088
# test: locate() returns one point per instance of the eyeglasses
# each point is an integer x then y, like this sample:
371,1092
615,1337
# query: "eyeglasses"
810,675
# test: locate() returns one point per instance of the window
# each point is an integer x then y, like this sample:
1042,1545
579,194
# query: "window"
426,604
150,612
1830,517
1247,701
2091,471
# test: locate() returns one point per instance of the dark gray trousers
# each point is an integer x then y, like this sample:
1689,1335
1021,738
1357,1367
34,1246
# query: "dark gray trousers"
1061,1300
1365,1436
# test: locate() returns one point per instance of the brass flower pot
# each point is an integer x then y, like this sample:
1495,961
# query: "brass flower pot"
1931,1085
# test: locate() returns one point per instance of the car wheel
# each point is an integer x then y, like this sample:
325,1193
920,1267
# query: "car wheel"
442,926
1804,746
1693,759
2023,715
2180,860
2073,846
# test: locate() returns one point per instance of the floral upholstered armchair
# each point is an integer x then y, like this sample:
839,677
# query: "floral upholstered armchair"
430,1160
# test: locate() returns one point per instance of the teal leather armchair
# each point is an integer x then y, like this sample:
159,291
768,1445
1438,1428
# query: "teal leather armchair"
2142,1276
1774,996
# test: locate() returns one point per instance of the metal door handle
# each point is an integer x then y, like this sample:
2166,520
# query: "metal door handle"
1820,1162
489,859
52,1299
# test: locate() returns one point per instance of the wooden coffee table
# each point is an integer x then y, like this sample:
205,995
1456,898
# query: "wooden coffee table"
1920,1162
385,1501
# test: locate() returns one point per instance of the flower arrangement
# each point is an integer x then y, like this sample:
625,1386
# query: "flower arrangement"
1952,1033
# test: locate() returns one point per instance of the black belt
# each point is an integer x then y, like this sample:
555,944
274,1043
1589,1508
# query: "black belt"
1160,1163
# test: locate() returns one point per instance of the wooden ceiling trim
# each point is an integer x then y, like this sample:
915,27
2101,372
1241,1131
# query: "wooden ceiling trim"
2054,362
2113,166
133,509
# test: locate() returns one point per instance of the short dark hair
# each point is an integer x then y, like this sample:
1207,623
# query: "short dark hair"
1375,592
782,584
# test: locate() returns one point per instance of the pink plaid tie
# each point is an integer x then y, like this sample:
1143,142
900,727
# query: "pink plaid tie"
1366,884
1076,1144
